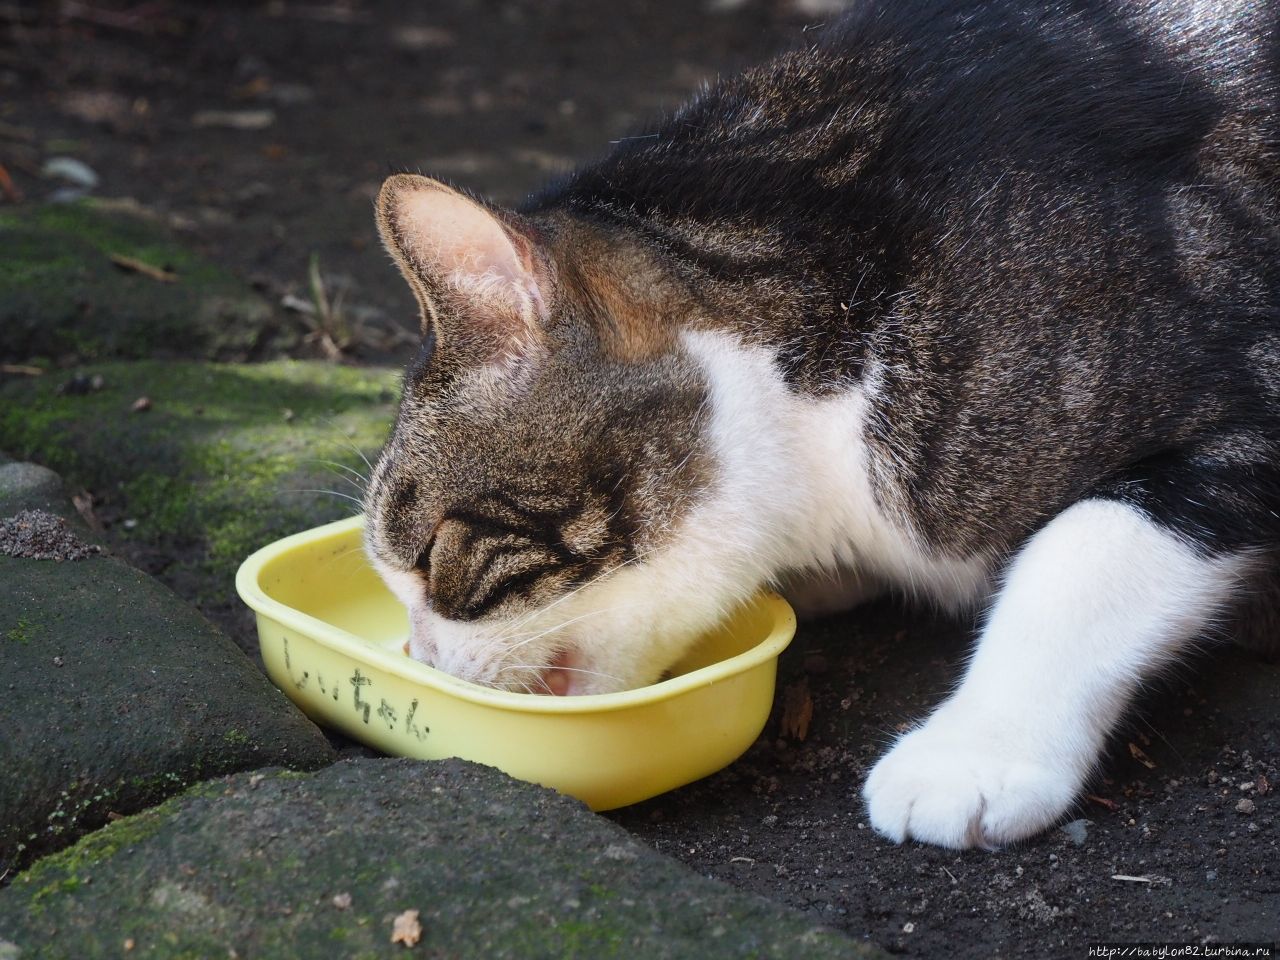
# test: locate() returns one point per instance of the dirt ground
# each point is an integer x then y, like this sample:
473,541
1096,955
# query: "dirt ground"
1178,841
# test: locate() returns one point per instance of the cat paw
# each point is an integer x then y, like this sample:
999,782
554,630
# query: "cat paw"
962,792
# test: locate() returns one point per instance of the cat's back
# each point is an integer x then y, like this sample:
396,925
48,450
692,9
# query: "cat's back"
930,99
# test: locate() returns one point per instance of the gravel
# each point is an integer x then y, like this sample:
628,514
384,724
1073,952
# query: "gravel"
39,535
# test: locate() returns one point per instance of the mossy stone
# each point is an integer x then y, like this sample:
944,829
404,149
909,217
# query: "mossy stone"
228,457
117,694
496,868
61,294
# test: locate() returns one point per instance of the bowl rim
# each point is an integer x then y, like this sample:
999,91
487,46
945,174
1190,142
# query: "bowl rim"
781,632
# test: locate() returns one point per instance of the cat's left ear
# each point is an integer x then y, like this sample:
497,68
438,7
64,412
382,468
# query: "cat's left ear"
476,271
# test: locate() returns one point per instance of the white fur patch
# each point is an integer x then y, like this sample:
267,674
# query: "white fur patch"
799,470
1095,602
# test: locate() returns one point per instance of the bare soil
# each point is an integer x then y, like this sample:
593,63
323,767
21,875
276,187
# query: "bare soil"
498,96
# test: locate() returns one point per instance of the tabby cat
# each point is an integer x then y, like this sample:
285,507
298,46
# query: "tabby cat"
975,301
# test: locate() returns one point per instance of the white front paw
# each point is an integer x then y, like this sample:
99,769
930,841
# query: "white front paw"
943,786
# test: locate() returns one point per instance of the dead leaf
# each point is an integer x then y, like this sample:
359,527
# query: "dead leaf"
83,502
797,710
1135,751
97,106
406,929
412,37
21,370
1103,802
8,187
235,119
254,88
134,265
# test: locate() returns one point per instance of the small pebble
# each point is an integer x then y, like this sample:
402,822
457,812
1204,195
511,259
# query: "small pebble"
141,405
1211,875
908,928
1246,806
1077,831
70,170
342,901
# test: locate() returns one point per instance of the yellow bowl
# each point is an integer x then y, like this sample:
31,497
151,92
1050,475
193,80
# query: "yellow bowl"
332,637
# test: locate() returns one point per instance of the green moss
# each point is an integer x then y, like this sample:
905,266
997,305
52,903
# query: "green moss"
61,294
64,872
104,233
236,737
22,632
226,460
24,268
64,885
589,939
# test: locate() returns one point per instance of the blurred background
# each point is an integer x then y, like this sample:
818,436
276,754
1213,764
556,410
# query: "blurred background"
258,133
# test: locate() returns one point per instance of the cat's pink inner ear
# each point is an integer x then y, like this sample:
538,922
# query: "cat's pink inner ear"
455,243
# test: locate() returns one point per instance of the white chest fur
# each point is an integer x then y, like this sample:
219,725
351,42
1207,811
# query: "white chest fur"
797,472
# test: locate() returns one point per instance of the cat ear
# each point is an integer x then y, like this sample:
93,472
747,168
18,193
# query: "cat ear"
478,278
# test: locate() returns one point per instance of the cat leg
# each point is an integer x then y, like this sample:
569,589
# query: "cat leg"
1095,601
819,593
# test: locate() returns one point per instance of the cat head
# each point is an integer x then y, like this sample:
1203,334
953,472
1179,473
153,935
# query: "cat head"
539,506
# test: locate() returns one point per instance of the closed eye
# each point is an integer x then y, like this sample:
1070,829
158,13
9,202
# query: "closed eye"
423,561
504,573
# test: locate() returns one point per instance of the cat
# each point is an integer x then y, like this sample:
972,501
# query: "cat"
973,301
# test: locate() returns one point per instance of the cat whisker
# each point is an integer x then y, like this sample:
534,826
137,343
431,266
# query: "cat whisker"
347,440
360,481
594,673
560,626
576,590
342,555
333,493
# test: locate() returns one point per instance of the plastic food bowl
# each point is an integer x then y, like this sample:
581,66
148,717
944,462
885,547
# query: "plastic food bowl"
332,638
